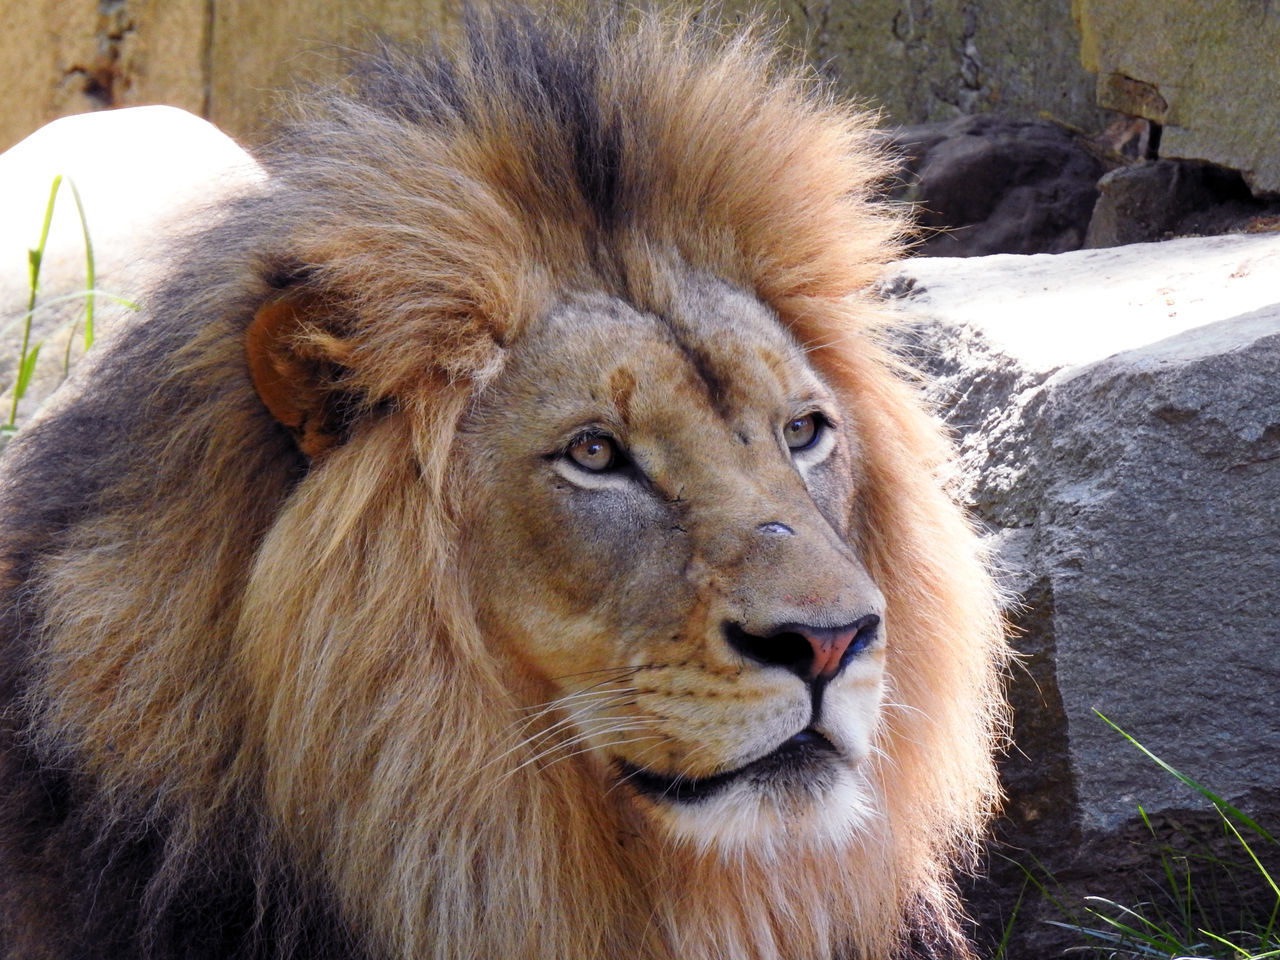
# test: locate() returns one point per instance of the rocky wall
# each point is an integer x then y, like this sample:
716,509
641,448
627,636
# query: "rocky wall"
1206,71
1202,71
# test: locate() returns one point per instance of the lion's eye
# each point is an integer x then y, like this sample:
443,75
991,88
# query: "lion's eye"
594,452
801,433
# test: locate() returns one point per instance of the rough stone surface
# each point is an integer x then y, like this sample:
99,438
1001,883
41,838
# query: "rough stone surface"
918,59
63,57
1202,70
930,60
1207,71
1120,420
223,59
162,165
293,40
1155,201
987,184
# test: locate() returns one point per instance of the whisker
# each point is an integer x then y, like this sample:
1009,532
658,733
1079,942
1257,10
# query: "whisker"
593,690
577,705
663,739
602,688
584,728
569,744
619,699
572,704
577,753
619,671
903,707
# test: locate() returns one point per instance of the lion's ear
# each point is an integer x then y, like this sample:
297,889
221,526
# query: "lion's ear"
297,369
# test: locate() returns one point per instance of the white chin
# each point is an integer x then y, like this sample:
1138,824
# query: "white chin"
746,817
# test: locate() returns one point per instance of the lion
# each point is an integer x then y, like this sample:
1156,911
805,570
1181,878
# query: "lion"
507,534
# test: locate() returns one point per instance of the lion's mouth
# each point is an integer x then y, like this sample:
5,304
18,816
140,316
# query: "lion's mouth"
798,761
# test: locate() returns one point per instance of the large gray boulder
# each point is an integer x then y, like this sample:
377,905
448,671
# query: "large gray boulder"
1119,416
1205,72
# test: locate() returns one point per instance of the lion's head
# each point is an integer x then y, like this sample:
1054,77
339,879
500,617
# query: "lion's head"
510,531
662,546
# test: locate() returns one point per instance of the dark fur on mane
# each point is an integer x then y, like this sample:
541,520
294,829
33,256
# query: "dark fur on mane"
544,71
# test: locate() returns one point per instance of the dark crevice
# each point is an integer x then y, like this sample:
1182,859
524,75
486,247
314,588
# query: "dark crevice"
101,80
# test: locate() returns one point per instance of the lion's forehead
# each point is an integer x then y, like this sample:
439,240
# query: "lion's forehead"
711,347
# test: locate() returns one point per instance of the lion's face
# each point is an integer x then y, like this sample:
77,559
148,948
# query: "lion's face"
662,542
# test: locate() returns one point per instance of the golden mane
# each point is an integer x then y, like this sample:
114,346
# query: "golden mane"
250,690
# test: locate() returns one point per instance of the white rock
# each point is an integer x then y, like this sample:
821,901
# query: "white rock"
1067,309
140,172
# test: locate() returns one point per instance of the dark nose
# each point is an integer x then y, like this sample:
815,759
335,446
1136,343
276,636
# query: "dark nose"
811,653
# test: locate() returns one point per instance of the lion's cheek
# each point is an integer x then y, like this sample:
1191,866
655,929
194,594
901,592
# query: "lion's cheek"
573,590
709,726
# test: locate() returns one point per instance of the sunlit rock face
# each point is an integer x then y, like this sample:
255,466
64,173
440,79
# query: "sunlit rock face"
1120,420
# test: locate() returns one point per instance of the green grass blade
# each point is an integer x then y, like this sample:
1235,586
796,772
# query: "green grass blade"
90,273
1007,933
26,368
1044,891
1254,857
35,257
1226,943
1213,798
1147,932
1269,930
1135,947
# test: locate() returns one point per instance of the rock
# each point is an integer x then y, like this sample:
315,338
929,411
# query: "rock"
1202,71
1207,72
986,184
921,60
60,59
293,40
1140,203
1119,412
139,173
935,60
1155,201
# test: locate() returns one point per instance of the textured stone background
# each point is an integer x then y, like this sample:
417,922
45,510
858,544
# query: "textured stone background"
1203,70
1119,419
1207,71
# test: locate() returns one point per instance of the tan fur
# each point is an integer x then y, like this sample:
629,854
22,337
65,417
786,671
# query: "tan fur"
353,665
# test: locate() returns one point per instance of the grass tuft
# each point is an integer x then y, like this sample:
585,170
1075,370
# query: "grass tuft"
1183,922
29,352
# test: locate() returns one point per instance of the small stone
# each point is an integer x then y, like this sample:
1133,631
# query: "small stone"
1169,198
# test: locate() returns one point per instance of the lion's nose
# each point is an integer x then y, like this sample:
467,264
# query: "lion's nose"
810,652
